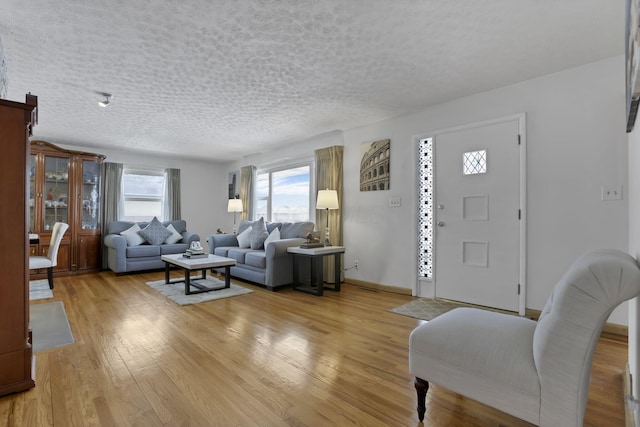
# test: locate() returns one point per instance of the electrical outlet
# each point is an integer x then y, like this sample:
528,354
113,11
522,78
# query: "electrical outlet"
356,264
395,202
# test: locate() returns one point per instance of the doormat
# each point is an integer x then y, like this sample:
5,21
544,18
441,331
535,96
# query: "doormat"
429,308
49,326
39,289
175,292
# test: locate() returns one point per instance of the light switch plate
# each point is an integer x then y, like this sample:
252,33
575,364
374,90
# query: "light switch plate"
395,202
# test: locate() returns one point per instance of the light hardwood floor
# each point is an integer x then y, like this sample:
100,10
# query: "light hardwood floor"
262,359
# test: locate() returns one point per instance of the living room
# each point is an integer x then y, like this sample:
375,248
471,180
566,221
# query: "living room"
576,146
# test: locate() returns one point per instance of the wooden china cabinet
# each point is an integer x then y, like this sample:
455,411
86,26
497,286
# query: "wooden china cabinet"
16,358
66,186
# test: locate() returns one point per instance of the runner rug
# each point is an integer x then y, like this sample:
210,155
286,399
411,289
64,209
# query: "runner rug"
175,292
429,308
39,289
49,326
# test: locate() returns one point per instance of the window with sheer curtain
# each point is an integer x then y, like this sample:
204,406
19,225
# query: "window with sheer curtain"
143,194
284,194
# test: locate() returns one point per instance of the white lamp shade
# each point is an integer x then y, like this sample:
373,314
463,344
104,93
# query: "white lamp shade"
235,205
327,199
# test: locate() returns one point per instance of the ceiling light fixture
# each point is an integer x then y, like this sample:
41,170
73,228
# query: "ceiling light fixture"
107,100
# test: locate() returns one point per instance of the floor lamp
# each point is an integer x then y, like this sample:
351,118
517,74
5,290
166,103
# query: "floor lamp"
327,199
235,205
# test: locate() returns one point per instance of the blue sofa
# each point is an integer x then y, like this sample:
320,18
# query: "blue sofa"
124,259
272,267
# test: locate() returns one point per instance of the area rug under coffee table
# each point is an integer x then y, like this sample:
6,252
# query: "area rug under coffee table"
175,292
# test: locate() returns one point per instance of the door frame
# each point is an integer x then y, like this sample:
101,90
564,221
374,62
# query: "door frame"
522,275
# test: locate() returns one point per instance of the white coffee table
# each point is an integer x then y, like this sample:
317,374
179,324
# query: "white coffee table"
202,264
316,284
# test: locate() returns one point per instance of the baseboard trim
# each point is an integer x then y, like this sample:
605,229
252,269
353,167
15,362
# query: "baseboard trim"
378,287
611,328
629,412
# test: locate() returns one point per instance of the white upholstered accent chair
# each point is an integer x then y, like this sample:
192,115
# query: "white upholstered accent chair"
51,260
536,371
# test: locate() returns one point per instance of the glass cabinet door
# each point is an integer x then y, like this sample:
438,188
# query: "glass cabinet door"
32,193
55,191
91,175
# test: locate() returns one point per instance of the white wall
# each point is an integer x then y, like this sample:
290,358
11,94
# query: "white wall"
203,187
576,144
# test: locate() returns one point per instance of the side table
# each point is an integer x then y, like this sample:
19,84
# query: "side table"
315,255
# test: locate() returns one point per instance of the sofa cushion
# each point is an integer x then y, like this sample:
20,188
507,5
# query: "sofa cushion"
174,237
244,238
179,224
272,226
117,227
258,234
131,235
256,259
155,233
244,224
273,236
223,250
142,251
239,254
296,229
176,248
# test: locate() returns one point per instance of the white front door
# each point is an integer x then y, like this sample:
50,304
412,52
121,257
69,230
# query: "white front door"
477,215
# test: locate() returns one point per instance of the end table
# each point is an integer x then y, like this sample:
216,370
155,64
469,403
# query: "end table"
315,256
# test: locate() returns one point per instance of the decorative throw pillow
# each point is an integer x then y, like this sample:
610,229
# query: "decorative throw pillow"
243,238
258,234
132,237
273,236
174,237
155,233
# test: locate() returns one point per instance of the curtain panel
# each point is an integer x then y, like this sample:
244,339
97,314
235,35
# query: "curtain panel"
171,209
113,198
329,176
247,174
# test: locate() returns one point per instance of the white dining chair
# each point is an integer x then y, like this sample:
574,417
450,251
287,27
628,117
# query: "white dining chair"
51,260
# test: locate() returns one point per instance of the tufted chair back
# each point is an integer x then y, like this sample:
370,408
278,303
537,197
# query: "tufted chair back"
569,327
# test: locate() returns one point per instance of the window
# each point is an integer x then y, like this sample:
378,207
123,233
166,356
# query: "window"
284,195
474,162
425,208
143,194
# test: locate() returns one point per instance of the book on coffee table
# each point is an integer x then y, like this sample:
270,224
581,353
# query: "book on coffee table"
194,256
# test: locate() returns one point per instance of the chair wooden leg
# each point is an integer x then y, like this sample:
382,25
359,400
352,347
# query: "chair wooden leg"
421,389
50,277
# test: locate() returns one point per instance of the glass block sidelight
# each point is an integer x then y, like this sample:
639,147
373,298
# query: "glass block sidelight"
474,162
425,208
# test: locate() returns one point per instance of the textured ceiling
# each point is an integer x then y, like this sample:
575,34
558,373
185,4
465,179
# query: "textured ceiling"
224,79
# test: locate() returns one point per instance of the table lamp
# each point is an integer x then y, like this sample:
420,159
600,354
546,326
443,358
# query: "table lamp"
327,199
235,205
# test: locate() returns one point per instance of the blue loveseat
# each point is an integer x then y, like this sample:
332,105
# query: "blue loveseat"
122,258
